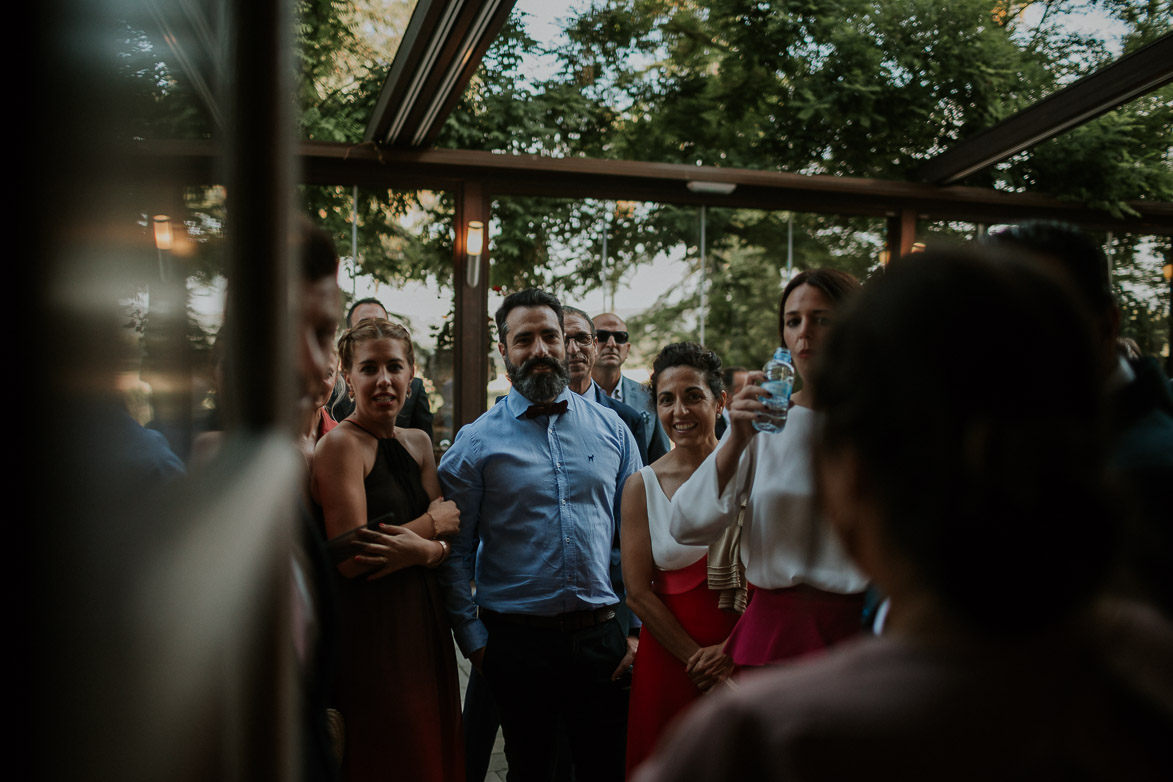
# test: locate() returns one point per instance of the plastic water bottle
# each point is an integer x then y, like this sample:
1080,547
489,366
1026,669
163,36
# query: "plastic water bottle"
779,382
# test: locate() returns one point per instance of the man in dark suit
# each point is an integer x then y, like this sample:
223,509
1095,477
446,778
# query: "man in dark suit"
614,346
582,349
415,413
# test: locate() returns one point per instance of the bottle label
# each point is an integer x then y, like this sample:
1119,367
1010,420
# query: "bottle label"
779,391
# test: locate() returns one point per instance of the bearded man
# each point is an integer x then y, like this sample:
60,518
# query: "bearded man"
538,480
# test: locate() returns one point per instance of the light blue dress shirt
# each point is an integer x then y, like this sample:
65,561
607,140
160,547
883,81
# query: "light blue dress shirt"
539,508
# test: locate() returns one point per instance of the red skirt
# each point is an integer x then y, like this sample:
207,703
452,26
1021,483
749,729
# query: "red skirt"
781,624
660,689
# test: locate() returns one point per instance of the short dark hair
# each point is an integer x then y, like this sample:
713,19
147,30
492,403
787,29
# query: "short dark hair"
580,313
1083,261
530,297
359,303
836,285
315,250
689,354
969,480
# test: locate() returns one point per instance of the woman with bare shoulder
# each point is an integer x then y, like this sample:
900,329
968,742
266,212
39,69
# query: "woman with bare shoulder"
386,520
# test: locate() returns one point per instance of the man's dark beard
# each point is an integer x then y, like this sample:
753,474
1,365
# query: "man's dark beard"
538,386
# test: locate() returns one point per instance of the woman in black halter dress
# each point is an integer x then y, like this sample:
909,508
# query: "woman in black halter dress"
396,686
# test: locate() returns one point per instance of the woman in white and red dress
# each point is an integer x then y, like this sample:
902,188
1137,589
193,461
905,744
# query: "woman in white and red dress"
684,629
808,594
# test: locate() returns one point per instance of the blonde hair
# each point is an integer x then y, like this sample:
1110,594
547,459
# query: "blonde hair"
368,329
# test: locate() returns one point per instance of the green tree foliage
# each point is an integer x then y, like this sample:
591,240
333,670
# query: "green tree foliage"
1121,156
839,87
745,274
849,87
343,52
1143,316
157,100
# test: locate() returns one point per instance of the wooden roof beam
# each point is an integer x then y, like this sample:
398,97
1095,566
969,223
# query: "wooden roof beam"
441,49
367,165
1131,76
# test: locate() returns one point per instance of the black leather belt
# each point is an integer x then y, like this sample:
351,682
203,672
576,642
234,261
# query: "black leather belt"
572,620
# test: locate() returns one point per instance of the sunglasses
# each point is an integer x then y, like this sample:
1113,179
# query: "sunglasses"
619,336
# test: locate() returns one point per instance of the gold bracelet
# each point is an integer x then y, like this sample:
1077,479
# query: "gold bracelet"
435,530
443,553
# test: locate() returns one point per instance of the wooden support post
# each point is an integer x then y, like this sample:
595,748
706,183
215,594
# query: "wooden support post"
260,189
901,234
470,356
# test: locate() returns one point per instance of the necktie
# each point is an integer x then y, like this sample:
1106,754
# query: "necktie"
547,408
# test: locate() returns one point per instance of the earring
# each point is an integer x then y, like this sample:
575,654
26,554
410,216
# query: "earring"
350,392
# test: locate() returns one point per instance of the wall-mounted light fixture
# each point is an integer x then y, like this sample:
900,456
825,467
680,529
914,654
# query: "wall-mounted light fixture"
474,246
162,232
1167,272
715,188
162,224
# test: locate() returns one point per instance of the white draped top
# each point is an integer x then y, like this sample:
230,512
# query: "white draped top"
784,542
667,554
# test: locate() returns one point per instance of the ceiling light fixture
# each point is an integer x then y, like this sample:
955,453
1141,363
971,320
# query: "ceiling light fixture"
714,188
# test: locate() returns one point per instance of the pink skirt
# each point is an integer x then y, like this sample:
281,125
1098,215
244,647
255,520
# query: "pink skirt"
781,624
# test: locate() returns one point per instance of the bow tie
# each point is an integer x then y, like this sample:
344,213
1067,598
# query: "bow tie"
547,408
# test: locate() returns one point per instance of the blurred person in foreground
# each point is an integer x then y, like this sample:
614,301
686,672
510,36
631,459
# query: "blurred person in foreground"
318,422
681,651
984,516
1140,409
808,595
396,686
314,612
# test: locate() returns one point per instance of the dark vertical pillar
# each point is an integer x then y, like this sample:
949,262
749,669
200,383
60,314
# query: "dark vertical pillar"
261,739
470,358
259,198
901,234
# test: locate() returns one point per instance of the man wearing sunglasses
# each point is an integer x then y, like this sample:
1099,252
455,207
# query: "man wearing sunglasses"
613,348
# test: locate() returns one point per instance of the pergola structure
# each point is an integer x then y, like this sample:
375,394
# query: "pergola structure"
442,48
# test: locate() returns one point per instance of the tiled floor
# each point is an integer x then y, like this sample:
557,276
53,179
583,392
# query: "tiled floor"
497,765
